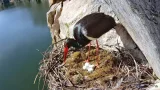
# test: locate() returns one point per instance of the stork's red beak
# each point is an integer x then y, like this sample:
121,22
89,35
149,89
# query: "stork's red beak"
65,52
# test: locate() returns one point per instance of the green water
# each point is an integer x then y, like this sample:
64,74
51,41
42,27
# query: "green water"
23,29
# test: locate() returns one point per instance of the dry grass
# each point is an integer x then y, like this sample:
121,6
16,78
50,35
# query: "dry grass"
119,70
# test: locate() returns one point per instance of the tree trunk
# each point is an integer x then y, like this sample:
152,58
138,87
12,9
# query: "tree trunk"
141,18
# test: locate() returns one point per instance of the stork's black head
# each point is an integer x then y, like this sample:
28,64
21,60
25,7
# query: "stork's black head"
70,43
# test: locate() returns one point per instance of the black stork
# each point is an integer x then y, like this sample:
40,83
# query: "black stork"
87,29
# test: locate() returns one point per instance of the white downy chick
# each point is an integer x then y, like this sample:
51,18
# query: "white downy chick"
87,66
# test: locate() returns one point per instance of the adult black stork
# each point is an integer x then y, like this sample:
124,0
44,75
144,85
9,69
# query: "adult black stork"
87,29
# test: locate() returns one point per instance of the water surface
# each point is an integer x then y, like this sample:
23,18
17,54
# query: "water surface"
23,29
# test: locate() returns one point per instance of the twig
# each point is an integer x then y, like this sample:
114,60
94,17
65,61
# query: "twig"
36,78
136,65
119,67
39,82
59,41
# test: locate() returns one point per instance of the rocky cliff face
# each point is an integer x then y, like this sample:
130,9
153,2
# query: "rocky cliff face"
74,10
142,21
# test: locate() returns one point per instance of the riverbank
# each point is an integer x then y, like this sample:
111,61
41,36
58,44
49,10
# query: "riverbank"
15,3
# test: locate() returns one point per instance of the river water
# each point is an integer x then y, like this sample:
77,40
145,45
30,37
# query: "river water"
23,30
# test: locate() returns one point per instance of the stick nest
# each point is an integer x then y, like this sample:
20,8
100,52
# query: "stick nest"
118,70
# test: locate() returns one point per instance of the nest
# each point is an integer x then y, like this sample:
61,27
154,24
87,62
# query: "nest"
118,70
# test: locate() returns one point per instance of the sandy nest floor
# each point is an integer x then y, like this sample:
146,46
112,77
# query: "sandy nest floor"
118,70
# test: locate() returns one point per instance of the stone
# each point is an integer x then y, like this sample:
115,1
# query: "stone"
52,21
141,18
74,10
52,2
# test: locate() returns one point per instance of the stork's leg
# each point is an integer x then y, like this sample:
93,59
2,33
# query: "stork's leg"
97,54
88,53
